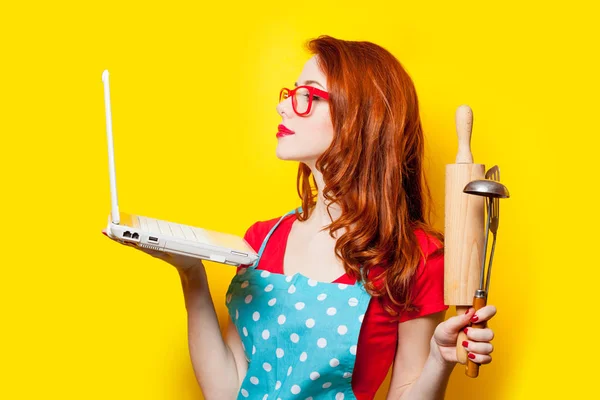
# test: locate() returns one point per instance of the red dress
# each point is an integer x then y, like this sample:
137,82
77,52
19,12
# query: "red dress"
378,337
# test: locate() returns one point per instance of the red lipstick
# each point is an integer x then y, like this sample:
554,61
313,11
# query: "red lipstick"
283,131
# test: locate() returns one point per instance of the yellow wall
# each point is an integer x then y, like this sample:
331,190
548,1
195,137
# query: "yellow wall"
194,90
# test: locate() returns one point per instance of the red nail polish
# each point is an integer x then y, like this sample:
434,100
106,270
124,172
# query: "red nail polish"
466,312
465,330
471,356
474,318
465,343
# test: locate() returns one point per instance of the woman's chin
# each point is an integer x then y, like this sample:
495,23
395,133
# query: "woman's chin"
286,156
286,153
289,156
289,152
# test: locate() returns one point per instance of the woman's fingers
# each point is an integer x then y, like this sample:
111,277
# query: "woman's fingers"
478,344
179,261
480,358
484,313
479,334
478,347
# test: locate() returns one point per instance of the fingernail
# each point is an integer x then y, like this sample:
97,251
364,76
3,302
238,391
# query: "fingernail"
474,318
465,330
104,232
465,343
471,356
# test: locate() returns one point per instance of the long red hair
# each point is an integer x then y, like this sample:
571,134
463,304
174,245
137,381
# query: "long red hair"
373,169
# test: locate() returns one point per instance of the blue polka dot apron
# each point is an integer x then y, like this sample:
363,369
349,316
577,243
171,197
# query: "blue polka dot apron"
299,335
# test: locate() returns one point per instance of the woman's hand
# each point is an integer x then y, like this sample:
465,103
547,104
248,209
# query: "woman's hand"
183,264
443,342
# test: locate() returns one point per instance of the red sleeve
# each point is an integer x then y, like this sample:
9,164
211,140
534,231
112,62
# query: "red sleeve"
252,237
429,283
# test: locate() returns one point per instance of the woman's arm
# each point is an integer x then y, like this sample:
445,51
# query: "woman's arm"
417,372
424,361
219,365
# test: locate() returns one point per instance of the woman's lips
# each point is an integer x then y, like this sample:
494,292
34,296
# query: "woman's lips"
283,131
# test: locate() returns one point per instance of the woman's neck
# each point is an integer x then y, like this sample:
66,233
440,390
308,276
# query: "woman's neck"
319,217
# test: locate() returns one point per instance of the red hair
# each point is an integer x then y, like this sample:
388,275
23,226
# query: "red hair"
373,169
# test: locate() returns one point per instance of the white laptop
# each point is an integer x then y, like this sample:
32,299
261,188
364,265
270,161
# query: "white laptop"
167,236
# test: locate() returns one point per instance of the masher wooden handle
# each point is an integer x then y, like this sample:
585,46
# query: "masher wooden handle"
472,368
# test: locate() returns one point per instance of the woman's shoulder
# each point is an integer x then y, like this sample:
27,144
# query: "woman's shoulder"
428,283
256,232
427,241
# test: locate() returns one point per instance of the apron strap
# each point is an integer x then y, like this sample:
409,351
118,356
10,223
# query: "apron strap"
266,239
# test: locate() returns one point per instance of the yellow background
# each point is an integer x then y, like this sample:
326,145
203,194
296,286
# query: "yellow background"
194,89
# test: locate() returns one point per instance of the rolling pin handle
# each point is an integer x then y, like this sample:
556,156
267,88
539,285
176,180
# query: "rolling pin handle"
464,127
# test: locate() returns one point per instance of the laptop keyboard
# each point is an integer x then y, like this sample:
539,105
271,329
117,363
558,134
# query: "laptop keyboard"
157,226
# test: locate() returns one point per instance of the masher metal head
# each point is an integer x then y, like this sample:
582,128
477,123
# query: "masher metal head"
490,189
487,188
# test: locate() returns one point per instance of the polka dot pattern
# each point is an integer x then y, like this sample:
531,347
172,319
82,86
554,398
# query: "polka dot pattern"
298,330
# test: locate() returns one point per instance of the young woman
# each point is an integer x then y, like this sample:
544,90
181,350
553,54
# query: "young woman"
351,282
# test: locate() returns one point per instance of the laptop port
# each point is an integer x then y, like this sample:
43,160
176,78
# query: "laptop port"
127,234
135,235
153,239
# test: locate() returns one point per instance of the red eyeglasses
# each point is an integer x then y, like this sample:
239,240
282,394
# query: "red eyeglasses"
302,98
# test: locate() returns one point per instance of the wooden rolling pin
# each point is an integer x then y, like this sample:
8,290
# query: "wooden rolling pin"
463,229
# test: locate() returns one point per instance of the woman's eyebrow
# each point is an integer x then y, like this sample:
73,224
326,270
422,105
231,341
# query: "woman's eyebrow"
309,82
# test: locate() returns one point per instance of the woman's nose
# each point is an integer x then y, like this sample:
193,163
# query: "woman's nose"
280,108
284,107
